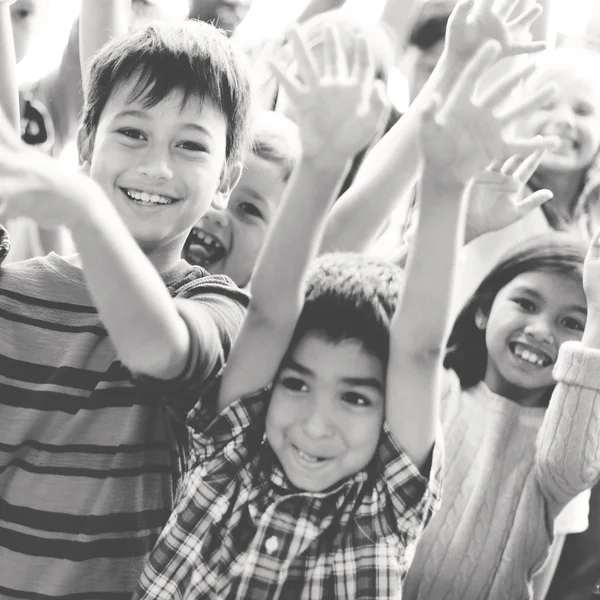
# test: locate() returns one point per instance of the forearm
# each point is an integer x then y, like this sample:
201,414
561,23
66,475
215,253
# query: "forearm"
135,306
422,319
388,174
294,238
9,91
99,21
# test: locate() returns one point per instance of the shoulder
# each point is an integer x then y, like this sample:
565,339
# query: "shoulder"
197,282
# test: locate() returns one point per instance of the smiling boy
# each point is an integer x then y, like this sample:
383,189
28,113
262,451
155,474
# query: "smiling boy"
98,365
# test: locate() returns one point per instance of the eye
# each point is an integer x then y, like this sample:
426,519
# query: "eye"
22,13
249,209
583,110
293,384
356,399
134,134
193,146
572,323
526,305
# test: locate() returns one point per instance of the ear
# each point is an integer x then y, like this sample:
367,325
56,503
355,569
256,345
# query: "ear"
481,319
229,179
84,148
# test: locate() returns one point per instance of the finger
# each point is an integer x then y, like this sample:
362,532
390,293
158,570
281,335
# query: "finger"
526,48
495,166
461,11
525,146
526,19
465,86
307,67
380,105
528,166
511,165
534,200
363,69
329,65
506,8
292,87
484,6
529,105
500,91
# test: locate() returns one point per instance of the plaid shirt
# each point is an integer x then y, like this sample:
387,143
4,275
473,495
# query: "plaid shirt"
240,530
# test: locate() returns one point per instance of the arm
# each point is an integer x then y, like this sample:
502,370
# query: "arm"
100,20
568,453
457,140
390,171
324,107
9,91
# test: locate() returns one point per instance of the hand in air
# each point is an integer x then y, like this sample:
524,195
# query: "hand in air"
339,111
36,186
497,197
475,22
463,133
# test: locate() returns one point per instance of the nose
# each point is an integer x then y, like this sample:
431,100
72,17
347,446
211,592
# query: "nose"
540,330
564,117
317,421
155,164
220,218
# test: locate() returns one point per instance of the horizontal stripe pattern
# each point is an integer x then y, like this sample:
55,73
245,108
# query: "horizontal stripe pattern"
89,460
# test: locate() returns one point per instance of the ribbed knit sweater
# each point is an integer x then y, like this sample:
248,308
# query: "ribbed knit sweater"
503,489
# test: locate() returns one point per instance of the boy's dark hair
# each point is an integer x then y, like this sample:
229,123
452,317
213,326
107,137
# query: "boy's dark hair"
554,252
188,56
351,297
276,139
430,26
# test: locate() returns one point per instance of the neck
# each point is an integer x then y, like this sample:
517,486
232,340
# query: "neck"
163,259
566,187
531,398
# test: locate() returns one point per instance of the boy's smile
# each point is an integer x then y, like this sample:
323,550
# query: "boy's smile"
161,165
326,411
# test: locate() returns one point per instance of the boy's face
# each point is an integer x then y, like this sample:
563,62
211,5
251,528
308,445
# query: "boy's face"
326,412
27,17
228,241
160,166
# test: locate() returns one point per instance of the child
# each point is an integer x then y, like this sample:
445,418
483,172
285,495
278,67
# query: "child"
228,241
99,367
503,488
319,457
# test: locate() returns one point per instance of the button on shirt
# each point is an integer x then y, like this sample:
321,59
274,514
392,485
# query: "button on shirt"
240,530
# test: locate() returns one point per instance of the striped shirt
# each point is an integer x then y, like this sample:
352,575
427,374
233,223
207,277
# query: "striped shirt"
89,456
241,531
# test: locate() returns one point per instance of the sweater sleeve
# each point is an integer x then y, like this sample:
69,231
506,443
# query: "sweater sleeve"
568,448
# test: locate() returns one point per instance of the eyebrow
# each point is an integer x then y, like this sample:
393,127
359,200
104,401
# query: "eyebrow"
140,114
368,382
254,194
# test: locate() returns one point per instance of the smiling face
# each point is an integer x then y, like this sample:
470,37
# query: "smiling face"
27,18
529,320
160,166
228,241
326,411
573,116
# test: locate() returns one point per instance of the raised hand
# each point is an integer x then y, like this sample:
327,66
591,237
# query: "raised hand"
340,111
463,134
474,22
496,198
36,186
591,281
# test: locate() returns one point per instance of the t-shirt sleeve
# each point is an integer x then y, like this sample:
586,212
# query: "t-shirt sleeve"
212,299
568,452
415,495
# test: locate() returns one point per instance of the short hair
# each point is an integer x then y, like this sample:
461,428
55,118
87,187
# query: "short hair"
351,296
430,26
188,56
555,252
276,139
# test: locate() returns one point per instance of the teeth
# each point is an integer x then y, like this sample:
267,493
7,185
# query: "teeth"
531,357
208,239
148,198
306,457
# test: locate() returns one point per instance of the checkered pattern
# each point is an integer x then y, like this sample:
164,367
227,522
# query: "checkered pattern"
240,530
